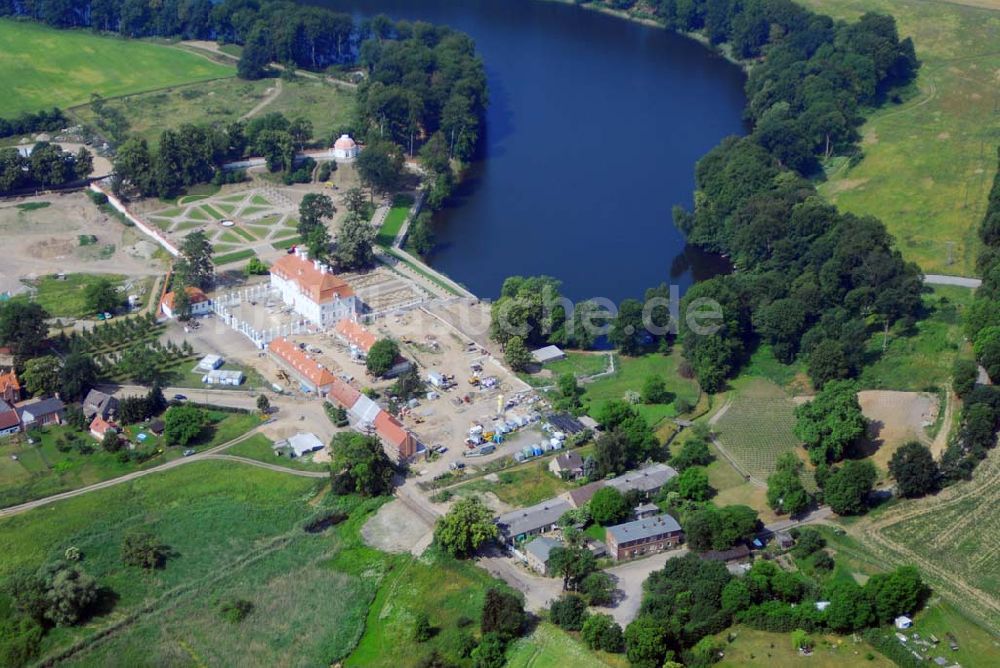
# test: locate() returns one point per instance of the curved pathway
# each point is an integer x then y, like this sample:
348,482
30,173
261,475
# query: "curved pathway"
211,453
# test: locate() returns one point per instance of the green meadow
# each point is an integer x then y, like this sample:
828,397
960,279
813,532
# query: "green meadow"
42,67
929,160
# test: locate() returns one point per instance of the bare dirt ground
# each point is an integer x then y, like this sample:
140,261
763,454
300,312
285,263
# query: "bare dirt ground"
896,418
395,528
43,241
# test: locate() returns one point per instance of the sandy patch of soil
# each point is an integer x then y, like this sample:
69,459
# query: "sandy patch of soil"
394,528
896,418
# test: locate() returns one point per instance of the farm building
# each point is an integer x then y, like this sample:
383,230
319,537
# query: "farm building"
519,524
303,443
645,536
200,303
581,495
98,403
9,422
10,387
648,480
223,377
367,416
568,466
548,354
209,363
356,336
536,553
312,290
41,412
312,375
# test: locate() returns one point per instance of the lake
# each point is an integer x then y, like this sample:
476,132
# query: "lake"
593,130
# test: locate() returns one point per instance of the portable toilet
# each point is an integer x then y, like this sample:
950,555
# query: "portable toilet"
537,451
527,451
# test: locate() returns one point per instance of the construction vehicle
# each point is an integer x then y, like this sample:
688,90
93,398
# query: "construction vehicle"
474,380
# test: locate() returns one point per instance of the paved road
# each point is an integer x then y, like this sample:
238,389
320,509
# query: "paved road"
201,456
630,576
961,281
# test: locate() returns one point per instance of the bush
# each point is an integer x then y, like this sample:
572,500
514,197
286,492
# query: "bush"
235,611
568,612
142,549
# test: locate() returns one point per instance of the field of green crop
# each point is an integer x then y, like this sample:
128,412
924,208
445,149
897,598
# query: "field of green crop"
756,426
66,297
42,67
929,161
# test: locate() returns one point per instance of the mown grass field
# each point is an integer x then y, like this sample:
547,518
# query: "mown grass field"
774,650
921,359
580,364
524,485
259,447
41,67
66,298
42,470
929,161
630,374
757,425
394,220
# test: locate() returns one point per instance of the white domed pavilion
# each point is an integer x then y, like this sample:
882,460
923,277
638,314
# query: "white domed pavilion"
345,148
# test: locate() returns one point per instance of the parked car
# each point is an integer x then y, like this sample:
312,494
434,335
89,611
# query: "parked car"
108,316
188,452
180,397
440,449
456,466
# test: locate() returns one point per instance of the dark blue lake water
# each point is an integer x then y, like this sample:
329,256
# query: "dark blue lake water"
593,131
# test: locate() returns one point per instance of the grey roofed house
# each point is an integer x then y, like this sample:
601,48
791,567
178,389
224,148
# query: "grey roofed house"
568,462
539,549
579,496
99,403
648,480
532,520
548,354
643,529
645,510
40,411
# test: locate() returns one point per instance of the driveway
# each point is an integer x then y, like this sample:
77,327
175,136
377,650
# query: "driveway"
630,576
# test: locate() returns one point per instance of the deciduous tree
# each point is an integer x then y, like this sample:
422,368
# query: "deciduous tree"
466,527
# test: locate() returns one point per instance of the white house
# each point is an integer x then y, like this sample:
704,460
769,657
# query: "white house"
200,303
312,290
345,148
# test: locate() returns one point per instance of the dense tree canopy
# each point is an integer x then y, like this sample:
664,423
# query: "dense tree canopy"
465,527
359,465
831,421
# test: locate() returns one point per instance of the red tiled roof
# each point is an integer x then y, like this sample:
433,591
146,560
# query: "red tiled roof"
8,418
343,393
195,296
356,334
9,382
320,286
305,365
99,425
391,431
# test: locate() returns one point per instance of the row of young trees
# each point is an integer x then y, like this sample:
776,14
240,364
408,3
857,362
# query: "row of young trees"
46,120
47,166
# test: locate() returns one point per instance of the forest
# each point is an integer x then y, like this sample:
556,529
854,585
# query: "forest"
810,280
